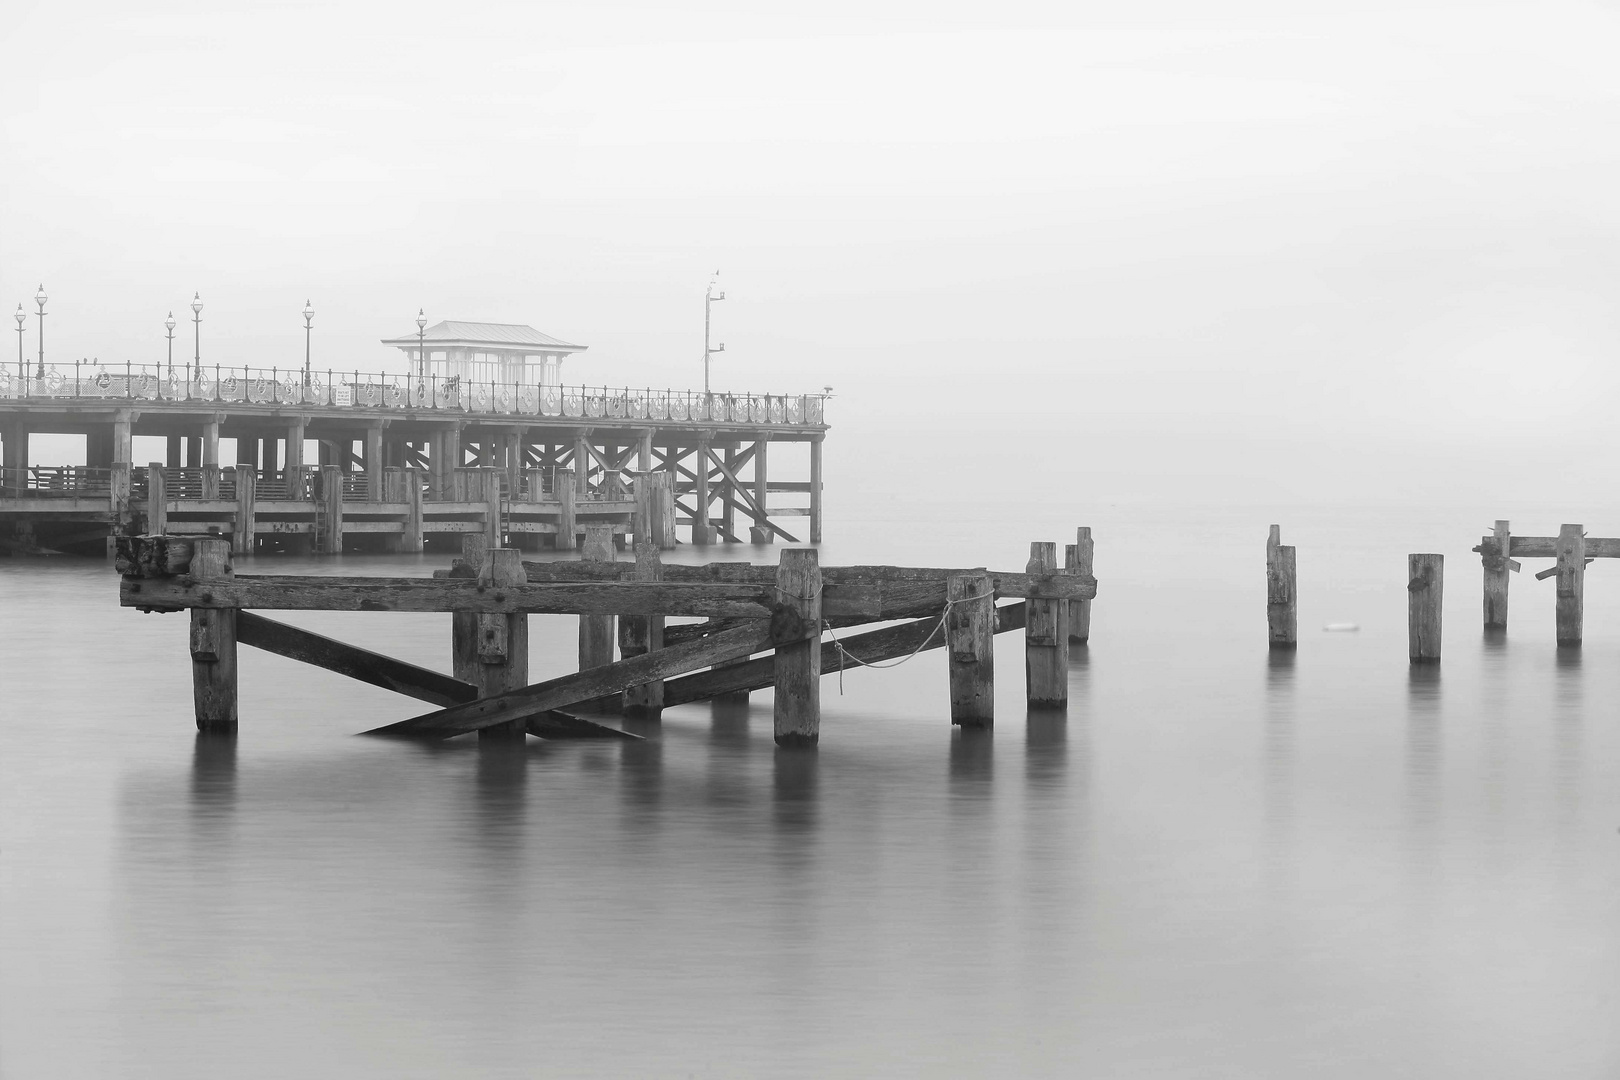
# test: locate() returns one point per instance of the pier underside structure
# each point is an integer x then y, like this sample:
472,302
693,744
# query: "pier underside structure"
402,464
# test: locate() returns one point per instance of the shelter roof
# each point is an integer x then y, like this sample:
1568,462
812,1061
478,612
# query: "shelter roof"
489,335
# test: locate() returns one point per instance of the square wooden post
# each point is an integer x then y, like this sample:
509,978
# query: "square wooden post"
1425,588
157,500
1282,614
414,479
760,532
567,521
492,507
596,631
1571,579
642,634
815,497
1078,558
970,631
213,643
374,461
502,644
242,529
700,497
798,665
331,510
1494,556
664,534
1046,637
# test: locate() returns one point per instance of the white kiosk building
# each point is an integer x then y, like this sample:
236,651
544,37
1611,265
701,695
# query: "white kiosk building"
486,353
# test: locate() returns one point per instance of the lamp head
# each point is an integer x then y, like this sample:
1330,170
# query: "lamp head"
196,303
169,322
21,318
309,311
421,319
40,297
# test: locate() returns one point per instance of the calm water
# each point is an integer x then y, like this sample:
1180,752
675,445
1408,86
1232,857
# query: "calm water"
1216,865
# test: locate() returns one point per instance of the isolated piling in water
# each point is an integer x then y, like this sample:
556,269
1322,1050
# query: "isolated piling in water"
596,631
502,643
1493,555
640,634
798,665
1046,638
1425,578
1078,558
970,630
1282,615
213,643
1571,578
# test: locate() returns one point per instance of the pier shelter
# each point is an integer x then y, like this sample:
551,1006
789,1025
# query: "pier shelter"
486,352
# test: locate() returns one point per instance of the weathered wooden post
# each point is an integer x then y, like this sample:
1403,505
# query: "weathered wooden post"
1282,614
213,643
210,481
157,500
970,628
242,529
1494,555
1425,589
700,497
331,509
464,657
502,642
1046,637
567,521
815,494
491,497
1079,558
641,522
596,631
798,665
413,536
639,634
1571,581
664,498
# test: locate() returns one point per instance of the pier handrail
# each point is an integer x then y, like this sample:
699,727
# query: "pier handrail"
369,391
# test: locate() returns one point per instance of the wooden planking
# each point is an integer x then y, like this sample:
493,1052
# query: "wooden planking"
586,685
352,661
874,646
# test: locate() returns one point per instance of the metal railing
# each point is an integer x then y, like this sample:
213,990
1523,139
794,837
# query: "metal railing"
371,391
55,482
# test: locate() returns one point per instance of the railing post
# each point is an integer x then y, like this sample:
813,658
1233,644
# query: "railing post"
1046,637
1425,586
798,664
970,631
213,644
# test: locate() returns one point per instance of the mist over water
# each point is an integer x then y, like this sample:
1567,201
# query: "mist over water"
1218,862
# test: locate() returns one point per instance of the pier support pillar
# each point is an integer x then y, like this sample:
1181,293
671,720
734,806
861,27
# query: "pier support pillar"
760,532
596,631
700,507
1494,556
413,536
1571,579
1079,559
210,441
1282,614
123,446
374,461
503,644
728,496
798,665
157,500
213,644
1425,586
329,530
815,495
173,450
1046,638
582,464
970,632
294,453
640,634
567,522
242,529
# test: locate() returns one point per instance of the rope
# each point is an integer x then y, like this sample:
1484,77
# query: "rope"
844,653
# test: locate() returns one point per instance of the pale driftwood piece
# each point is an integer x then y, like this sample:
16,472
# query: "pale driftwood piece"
596,631
642,634
356,663
567,519
1552,571
245,526
798,666
1079,561
1046,638
598,682
1571,579
213,644
301,593
1282,615
1493,557
157,500
152,556
503,643
970,629
874,647
1425,586
555,724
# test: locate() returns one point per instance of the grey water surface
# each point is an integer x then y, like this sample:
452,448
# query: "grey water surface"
1217,863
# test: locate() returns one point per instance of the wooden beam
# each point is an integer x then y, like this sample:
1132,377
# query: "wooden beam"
1546,547
308,647
1008,586
755,501
595,682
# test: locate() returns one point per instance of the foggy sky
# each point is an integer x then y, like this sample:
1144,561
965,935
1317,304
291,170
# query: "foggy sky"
1234,237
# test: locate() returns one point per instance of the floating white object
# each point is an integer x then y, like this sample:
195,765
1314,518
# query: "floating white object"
1341,628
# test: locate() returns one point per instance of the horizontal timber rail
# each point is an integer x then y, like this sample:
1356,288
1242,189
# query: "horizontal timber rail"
767,627
1572,551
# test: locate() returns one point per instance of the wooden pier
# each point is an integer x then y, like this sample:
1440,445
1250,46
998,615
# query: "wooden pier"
782,626
403,464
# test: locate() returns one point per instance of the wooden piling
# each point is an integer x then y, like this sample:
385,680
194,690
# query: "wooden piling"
1079,558
245,524
413,535
503,643
1282,614
464,660
157,500
700,497
815,493
760,531
798,665
567,520
1571,579
640,634
492,508
596,631
1425,583
210,481
331,534
970,630
1494,557
213,643
1046,638
664,498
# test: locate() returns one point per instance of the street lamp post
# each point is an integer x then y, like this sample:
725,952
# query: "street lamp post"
309,324
421,343
22,371
709,297
196,318
40,298
169,325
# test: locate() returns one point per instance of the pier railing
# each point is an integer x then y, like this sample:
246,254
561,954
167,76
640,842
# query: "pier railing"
55,482
368,391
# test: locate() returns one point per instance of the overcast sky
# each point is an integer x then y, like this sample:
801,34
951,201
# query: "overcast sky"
1213,220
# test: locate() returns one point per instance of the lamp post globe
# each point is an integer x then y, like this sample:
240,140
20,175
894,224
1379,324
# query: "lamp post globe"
196,321
168,324
421,342
22,317
40,298
309,323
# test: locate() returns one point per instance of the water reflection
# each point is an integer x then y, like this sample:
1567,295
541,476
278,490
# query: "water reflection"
213,777
641,775
795,788
971,763
1278,766
1423,780
1568,732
